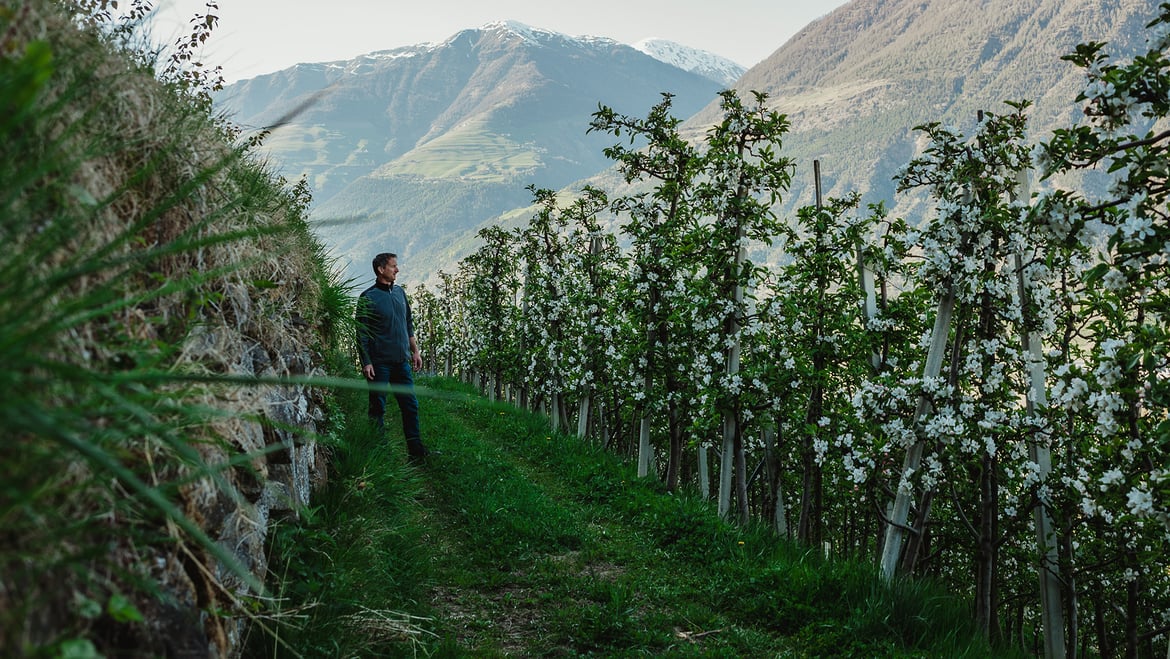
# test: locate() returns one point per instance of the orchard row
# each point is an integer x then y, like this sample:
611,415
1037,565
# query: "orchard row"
982,398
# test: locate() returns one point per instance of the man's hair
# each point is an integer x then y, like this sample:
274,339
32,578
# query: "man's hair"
381,260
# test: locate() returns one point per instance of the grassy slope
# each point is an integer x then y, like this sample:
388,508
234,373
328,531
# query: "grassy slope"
519,542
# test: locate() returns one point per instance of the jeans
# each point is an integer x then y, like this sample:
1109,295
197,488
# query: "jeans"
399,375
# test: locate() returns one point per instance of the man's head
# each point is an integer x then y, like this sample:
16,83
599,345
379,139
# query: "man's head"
386,267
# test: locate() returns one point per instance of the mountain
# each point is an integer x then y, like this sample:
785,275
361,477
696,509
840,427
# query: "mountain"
709,65
424,145
411,150
856,82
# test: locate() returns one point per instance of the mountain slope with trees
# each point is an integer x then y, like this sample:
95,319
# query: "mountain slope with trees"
164,303
856,82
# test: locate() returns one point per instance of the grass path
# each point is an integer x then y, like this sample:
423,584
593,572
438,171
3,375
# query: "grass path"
518,542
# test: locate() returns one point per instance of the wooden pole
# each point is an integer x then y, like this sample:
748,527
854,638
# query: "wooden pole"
869,306
817,182
1051,604
732,460
644,447
808,526
583,417
779,512
730,424
896,528
587,395
704,474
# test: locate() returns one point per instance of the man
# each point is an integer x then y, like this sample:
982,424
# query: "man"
389,351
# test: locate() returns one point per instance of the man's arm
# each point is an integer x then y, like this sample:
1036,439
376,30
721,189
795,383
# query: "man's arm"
415,355
362,328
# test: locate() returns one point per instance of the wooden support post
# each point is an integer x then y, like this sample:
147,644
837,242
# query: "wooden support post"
869,300
730,423
583,417
587,395
726,469
644,447
896,528
1051,604
554,411
779,513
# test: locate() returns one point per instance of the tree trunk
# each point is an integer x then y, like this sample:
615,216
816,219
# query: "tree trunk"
644,447
915,545
1073,618
704,473
555,415
986,553
741,478
583,415
775,489
674,460
726,467
1132,612
1104,643
809,527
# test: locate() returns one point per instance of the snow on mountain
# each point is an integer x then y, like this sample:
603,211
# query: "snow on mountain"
700,62
709,65
540,35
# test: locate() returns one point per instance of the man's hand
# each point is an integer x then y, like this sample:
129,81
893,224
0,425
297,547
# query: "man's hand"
416,360
368,371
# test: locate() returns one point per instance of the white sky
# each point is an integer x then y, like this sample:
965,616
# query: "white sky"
261,36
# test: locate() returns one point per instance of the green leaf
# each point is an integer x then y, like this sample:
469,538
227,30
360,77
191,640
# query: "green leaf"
122,610
77,648
1096,273
86,607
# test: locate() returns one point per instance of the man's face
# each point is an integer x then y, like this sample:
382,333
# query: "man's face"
388,272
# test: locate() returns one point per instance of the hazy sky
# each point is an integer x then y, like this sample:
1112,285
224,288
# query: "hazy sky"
261,36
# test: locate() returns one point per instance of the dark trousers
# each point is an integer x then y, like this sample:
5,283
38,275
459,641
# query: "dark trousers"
401,377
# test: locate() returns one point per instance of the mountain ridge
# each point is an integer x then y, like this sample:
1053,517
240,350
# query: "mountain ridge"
413,146
907,62
720,69
494,110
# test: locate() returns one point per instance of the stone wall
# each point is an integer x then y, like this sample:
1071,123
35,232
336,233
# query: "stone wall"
276,423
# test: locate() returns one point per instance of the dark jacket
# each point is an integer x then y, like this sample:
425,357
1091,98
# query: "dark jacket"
384,325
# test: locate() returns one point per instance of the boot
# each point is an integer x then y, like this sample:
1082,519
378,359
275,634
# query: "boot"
417,451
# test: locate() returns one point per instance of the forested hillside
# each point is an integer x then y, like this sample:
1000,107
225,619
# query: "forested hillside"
854,84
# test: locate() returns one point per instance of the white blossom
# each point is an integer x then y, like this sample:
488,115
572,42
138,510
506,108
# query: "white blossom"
1141,502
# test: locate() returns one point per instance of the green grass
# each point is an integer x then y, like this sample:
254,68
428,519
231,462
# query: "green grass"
520,542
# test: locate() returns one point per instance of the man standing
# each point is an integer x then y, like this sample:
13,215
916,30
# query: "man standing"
389,351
